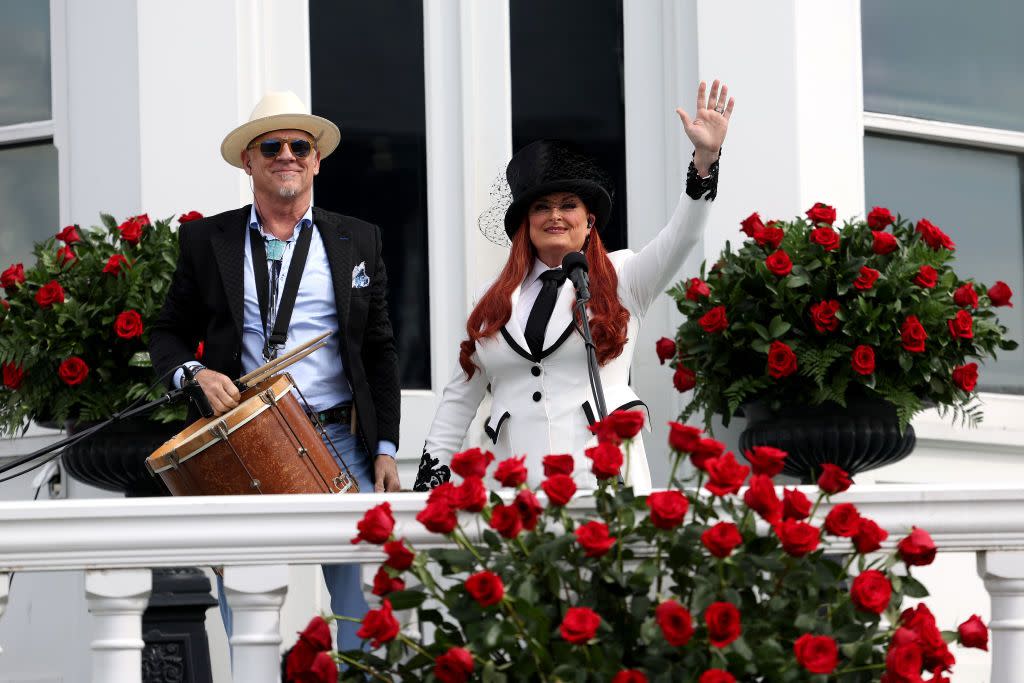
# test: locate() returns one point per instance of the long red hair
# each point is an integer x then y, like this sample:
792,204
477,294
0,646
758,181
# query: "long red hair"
608,317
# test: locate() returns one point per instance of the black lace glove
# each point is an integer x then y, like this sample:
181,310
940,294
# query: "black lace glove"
697,187
431,473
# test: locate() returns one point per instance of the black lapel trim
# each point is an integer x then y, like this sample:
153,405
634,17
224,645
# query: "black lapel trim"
338,247
544,354
228,248
493,433
516,347
589,412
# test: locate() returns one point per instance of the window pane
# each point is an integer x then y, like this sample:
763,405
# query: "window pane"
367,77
28,195
945,60
973,195
24,61
567,84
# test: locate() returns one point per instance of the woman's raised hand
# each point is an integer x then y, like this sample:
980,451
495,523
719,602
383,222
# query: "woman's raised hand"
707,128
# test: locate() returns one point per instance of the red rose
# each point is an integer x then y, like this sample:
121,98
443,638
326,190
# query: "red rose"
714,320
472,463
486,588
723,622
684,379
384,583
399,556
926,277
665,348
760,497
559,488
933,236
594,539
999,294
825,237
376,525
725,474
920,622
752,225
766,460
454,666
973,633
69,235
675,622
817,654
962,325
869,536
722,539
779,264
781,360
704,450
445,493
579,625
871,591
625,423
558,464
913,334
323,669
879,218
843,520
200,349
116,265
299,660
771,237
511,472
697,289
683,438
630,676
131,229
884,243
822,213
833,479
49,294
13,276
903,664
607,460
716,676
866,279
317,634
438,517
966,376
13,375
505,519
965,296
797,538
65,255
128,325
471,496
190,216
917,549
667,508
795,505
73,371
379,625
863,360
823,315
529,508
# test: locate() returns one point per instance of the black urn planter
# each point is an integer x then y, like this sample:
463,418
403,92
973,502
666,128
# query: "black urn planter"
114,459
859,437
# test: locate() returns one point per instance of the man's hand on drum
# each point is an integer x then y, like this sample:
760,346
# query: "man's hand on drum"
385,474
219,389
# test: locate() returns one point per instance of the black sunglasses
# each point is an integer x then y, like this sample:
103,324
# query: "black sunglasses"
271,147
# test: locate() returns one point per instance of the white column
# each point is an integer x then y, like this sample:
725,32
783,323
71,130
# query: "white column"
5,589
1003,574
255,595
117,598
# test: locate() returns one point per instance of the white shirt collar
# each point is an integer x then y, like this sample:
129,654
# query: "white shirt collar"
254,222
538,268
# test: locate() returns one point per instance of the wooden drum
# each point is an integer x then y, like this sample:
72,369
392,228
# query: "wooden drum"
264,445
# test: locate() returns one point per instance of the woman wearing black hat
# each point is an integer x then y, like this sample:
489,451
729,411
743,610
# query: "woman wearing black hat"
521,337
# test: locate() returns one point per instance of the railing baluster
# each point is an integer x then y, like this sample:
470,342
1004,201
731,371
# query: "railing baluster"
1003,574
255,595
5,589
117,598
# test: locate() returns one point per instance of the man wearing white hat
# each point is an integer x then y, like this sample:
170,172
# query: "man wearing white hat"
231,291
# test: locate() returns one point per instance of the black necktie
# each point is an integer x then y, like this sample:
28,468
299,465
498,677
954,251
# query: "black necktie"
537,323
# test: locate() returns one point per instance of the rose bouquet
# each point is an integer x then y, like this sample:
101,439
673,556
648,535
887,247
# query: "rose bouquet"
805,309
73,327
709,583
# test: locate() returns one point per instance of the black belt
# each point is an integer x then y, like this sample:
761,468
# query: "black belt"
338,414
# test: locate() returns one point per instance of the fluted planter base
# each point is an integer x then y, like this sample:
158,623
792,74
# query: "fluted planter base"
860,437
114,459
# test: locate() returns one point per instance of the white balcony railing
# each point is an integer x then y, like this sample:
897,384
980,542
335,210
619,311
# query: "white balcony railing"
117,541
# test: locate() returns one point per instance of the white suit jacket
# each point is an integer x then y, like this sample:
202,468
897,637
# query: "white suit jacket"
543,405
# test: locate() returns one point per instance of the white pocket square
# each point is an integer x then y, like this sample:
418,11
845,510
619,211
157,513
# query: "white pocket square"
359,277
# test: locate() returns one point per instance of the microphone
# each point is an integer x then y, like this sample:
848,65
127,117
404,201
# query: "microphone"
575,266
195,392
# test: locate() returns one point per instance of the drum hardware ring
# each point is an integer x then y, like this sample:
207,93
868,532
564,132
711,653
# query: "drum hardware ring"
341,485
303,453
220,429
268,397
323,432
254,484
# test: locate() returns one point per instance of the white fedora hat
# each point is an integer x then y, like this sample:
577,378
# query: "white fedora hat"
279,111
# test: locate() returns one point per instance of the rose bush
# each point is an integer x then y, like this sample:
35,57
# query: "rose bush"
702,582
74,327
805,308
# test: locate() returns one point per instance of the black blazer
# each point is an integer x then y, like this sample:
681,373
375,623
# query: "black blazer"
205,302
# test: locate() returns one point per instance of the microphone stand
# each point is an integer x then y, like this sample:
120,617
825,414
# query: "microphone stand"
593,369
